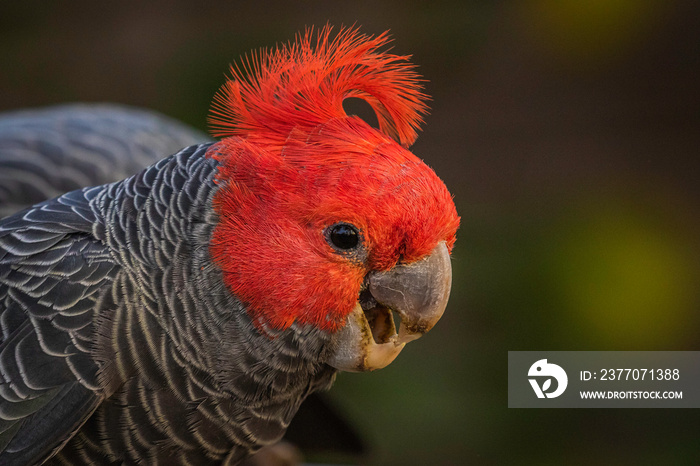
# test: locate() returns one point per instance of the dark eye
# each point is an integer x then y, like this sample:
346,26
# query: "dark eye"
344,236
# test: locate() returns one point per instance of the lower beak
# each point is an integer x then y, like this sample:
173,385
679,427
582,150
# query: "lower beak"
417,292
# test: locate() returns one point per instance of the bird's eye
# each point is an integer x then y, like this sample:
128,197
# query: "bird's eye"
344,236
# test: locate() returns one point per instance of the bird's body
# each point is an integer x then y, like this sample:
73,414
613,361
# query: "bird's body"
182,315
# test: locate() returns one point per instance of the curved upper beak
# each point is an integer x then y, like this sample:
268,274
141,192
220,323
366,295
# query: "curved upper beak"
418,292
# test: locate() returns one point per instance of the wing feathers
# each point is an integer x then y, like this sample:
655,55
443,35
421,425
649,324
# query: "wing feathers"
52,273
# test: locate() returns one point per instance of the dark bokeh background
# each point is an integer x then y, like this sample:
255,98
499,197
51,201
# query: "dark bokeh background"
569,133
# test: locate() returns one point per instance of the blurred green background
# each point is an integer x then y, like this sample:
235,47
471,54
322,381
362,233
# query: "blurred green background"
569,133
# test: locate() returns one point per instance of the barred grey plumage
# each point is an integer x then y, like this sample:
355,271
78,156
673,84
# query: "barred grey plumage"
101,259
49,151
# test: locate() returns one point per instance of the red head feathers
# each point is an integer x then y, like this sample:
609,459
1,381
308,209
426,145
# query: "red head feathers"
303,84
293,164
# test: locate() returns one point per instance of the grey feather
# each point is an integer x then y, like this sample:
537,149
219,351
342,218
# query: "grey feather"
47,152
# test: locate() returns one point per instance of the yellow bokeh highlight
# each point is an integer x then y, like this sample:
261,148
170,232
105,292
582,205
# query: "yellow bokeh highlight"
627,280
584,31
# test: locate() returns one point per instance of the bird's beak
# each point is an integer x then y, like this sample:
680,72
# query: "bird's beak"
417,292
